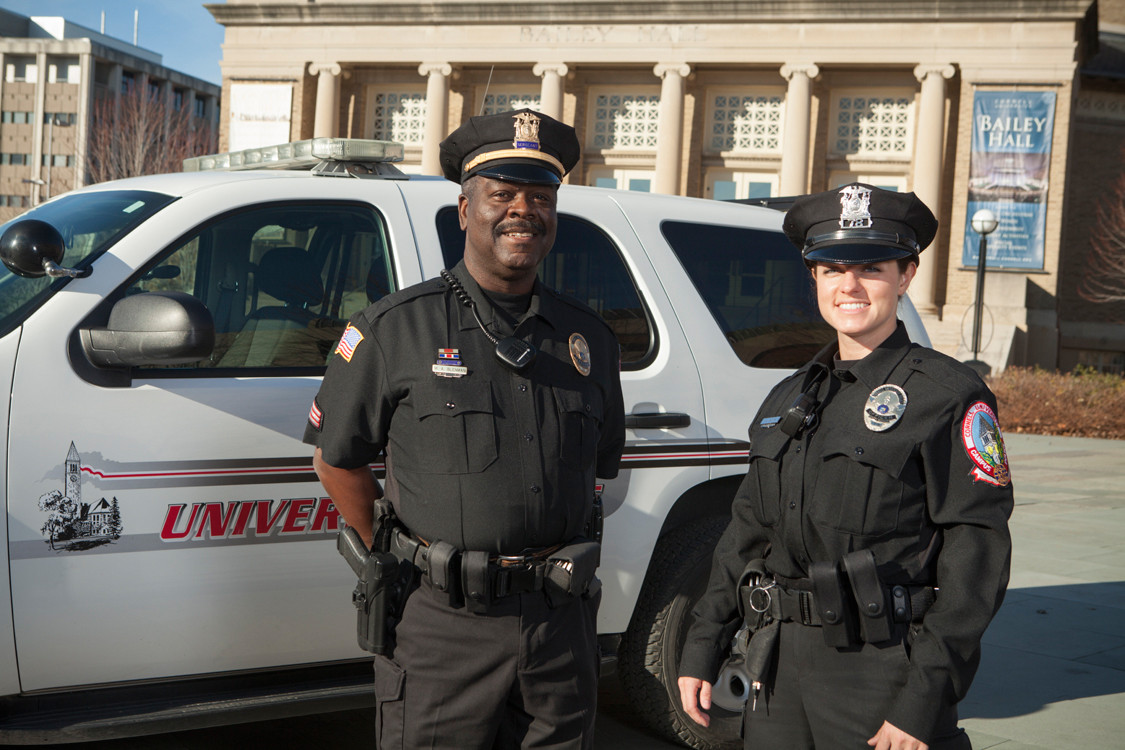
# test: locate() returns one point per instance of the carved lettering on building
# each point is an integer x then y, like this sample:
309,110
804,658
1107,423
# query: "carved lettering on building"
611,34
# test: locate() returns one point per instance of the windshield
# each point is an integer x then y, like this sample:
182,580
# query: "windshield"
90,223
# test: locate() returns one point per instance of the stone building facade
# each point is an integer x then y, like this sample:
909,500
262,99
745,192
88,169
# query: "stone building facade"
51,74
737,99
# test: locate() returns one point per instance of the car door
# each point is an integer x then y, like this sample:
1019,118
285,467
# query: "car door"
168,523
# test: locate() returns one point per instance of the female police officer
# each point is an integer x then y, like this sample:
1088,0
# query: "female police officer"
869,539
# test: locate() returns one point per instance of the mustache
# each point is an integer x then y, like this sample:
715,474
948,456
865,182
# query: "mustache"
518,225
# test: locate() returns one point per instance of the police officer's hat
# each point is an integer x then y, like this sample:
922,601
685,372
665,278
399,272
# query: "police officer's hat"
518,146
859,223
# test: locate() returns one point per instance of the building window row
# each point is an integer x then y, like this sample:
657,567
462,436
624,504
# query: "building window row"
19,69
16,118
15,159
58,160
17,201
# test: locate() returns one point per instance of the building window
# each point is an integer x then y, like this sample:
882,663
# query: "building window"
153,90
733,184
16,201
873,123
17,118
58,160
507,100
625,122
639,180
59,118
178,99
15,159
746,120
128,81
21,70
200,108
399,116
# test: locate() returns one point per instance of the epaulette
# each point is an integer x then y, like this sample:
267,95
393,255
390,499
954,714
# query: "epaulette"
944,370
580,306
402,296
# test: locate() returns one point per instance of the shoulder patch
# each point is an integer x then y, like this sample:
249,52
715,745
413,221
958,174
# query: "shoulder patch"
980,434
348,342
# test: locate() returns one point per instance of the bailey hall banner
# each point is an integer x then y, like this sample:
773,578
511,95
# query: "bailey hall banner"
1008,174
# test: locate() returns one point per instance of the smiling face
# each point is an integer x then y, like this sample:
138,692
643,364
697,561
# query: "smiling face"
861,302
509,228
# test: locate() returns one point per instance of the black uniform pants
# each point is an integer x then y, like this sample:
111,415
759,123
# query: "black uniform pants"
830,699
522,675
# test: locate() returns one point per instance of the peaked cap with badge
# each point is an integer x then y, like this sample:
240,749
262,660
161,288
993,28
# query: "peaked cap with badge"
519,146
859,223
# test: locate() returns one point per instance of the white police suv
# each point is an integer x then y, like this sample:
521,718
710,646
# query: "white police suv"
170,555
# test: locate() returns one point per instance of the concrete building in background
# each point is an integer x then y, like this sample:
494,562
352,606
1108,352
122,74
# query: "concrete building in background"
1017,105
53,73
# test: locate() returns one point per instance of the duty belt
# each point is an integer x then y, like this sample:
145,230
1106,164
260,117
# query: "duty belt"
798,605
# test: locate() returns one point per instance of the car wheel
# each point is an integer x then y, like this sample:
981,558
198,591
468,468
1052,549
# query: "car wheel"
649,656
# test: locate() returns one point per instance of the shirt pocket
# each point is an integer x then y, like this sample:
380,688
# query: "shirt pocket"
766,446
860,487
581,412
457,426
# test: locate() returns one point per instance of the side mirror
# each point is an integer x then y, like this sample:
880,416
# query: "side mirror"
32,248
153,328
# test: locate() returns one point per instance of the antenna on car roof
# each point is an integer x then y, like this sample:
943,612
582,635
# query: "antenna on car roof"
484,96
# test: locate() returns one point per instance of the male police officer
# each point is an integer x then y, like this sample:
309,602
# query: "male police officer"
496,401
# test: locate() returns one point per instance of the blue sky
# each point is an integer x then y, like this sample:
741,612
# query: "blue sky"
180,30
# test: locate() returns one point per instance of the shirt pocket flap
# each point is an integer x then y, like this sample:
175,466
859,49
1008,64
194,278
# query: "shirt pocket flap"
454,398
588,402
881,451
767,442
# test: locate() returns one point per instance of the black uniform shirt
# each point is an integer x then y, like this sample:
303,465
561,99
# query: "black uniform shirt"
913,494
492,460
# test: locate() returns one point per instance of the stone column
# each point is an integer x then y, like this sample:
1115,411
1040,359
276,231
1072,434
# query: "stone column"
928,170
437,106
795,142
327,98
551,90
670,126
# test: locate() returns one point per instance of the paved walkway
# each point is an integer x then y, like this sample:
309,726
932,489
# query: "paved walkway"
1053,671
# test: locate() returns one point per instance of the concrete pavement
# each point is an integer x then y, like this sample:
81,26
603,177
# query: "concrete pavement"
1052,675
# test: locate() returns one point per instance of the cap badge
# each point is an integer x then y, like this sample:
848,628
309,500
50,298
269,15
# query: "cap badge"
527,131
580,353
448,364
855,207
884,407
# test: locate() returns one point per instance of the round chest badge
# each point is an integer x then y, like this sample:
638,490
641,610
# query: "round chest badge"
985,445
884,407
580,353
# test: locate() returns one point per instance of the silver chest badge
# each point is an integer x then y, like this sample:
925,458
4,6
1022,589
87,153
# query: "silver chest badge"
855,207
884,407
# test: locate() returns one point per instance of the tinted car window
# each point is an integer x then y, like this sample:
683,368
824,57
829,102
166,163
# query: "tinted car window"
584,264
89,224
280,280
756,287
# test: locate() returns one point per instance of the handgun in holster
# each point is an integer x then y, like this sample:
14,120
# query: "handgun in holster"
378,571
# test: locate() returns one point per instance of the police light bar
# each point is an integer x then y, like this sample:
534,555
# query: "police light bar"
300,155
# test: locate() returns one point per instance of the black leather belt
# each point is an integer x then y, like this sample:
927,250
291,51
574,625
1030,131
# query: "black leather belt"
798,604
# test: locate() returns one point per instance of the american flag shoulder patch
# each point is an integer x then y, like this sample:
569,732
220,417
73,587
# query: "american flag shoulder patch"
315,415
348,342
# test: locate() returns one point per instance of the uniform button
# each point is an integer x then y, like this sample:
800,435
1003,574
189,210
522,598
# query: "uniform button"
523,386
798,449
587,408
450,405
535,489
916,361
528,437
792,505
859,451
873,608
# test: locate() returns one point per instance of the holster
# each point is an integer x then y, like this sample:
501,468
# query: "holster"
571,571
870,596
373,594
833,605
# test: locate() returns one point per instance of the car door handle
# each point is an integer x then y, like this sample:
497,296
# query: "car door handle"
657,420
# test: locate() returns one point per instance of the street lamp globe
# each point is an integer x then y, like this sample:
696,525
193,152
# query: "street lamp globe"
984,222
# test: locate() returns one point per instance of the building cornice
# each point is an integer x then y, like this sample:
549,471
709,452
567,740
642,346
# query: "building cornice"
466,12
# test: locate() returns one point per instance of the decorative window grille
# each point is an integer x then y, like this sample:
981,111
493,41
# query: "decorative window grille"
400,116
495,103
746,122
873,124
625,121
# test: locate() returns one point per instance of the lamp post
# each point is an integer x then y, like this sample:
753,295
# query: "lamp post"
984,223
34,190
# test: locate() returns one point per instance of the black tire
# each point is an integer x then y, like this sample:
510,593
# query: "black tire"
649,655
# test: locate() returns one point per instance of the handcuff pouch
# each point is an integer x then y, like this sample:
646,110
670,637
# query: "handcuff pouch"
832,605
870,596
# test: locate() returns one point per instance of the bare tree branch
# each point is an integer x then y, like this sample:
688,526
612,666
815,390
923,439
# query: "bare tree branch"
140,134
1104,277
